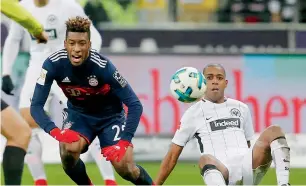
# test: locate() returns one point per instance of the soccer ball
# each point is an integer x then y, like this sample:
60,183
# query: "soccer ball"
188,84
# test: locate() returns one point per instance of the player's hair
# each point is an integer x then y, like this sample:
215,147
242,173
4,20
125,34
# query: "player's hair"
215,65
78,24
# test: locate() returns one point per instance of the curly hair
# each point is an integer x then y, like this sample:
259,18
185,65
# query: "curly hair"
78,24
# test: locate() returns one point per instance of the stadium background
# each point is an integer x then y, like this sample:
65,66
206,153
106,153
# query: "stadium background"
265,63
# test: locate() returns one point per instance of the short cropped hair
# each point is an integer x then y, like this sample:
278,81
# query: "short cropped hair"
78,24
215,65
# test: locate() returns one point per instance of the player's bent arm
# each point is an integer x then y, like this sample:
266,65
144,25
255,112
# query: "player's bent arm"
125,93
168,163
11,47
40,96
13,10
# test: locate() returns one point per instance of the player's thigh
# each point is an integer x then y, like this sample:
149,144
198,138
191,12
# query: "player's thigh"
127,164
78,123
112,131
14,128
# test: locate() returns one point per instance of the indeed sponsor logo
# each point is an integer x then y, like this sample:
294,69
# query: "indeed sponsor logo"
222,124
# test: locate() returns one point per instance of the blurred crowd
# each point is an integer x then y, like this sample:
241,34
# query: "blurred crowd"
148,11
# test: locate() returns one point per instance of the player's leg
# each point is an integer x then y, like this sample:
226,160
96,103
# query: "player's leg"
126,168
34,155
105,167
73,166
272,145
17,144
213,171
131,171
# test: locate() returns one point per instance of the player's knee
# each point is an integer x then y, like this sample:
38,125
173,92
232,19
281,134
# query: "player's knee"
206,159
75,147
21,137
68,158
271,133
126,170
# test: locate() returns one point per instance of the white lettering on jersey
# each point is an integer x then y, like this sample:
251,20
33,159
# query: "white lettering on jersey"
96,59
221,130
42,78
120,79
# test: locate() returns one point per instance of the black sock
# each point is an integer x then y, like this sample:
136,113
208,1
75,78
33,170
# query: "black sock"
13,161
78,173
144,178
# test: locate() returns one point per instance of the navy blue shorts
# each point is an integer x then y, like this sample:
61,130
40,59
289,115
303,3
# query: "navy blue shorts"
108,130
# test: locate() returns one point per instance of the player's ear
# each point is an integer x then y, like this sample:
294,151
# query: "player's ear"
226,82
65,44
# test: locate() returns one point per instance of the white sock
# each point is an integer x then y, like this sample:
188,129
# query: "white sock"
213,177
33,157
281,158
105,167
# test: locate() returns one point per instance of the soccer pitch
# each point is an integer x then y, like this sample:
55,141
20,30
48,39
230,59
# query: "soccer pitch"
185,173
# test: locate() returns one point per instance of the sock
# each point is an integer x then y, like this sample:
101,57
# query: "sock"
105,167
40,182
34,159
212,176
144,178
78,173
281,158
13,161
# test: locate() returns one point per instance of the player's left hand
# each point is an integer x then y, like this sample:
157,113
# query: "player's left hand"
116,152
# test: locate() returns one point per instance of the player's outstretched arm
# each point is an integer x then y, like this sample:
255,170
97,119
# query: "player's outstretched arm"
13,10
168,163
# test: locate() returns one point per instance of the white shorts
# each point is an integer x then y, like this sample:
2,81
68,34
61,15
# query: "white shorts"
241,171
28,88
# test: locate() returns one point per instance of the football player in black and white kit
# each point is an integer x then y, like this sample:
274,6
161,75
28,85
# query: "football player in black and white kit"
223,129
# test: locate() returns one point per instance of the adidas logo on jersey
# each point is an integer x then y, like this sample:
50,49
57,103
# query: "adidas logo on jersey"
66,80
222,124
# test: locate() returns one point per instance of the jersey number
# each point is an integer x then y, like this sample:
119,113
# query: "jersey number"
117,128
73,92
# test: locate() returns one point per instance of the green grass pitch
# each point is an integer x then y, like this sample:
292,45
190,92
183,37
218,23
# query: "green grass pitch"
185,173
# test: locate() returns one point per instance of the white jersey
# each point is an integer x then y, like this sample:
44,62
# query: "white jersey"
53,17
221,130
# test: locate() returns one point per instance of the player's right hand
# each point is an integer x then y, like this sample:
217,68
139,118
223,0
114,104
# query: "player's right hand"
42,37
66,136
7,84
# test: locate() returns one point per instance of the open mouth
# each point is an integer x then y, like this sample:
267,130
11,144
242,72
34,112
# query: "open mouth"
76,58
215,89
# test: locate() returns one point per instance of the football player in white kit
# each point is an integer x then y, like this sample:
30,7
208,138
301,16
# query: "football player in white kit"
223,129
52,14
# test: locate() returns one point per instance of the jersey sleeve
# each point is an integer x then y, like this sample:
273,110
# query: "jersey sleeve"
121,88
186,130
13,10
11,47
248,125
41,93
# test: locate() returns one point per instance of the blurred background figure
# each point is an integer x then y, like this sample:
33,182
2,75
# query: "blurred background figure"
261,44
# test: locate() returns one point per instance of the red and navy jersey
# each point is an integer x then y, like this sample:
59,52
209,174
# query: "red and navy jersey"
95,88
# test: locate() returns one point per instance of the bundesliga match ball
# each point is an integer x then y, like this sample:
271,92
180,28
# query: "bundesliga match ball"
188,84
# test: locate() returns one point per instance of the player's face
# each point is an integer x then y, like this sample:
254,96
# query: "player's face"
77,45
216,84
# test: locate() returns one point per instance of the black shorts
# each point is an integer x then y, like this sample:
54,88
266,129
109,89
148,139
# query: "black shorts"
4,105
